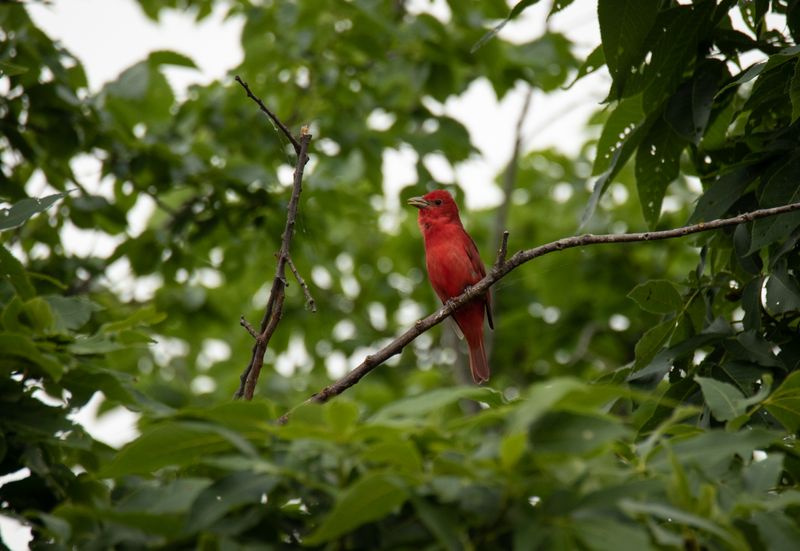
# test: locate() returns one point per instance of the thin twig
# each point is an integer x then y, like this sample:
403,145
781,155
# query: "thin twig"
274,308
502,252
498,272
509,183
271,115
310,304
246,324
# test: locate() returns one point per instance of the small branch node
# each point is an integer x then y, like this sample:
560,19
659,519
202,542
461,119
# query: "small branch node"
246,324
502,252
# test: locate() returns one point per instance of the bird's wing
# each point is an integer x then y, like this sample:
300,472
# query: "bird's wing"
480,272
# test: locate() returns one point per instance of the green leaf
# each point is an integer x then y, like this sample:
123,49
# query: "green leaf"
147,315
774,61
422,405
71,313
602,534
167,57
225,495
372,497
624,27
652,341
778,532
780,189
39,315
20,211
443,524
657,164
706,450
132,83
674,47
12,270
784,403
658,296
620,126
689,109
518,8
167,444
595,60
782,292
763,476
621,135
341,415
722,194
175,496
570,433
24,348
539,399
512,447
667,513
725,400
400,454
794,92
95,344
11,69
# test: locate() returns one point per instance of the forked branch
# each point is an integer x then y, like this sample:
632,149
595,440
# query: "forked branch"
274,308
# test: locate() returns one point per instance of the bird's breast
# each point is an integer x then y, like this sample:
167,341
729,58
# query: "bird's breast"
450,269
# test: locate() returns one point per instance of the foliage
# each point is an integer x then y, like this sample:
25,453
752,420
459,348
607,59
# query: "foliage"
643,396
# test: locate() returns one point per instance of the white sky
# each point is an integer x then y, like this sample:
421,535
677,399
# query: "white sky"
110,35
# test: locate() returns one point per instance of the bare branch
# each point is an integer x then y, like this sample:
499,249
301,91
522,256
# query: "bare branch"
274,308
499,271
310,304
271,115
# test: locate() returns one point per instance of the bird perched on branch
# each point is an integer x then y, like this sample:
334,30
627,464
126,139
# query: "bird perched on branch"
453,266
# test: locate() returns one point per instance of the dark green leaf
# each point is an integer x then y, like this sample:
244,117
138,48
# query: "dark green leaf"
784,403
658,296
593,62
667,513
725,400
71,313
164,445
657,160
652,341
227,494
422,405
780,189
624,27
794,92
777,531
722,194
11,70
373,496
12,270
19,212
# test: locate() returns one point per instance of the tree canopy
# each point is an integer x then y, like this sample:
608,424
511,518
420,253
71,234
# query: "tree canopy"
643,395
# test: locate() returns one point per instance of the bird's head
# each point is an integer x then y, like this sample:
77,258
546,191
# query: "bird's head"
438,205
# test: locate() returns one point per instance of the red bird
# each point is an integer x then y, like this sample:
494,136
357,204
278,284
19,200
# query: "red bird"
453,265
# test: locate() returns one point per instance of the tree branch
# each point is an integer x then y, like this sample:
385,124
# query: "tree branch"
310,303
500,270
271,115
274,308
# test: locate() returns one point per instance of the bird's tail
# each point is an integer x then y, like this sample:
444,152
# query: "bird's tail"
477,361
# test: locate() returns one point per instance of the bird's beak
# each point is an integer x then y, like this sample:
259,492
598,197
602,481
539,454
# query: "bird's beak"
418,202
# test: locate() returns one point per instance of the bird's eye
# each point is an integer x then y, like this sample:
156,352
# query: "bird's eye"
438,201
